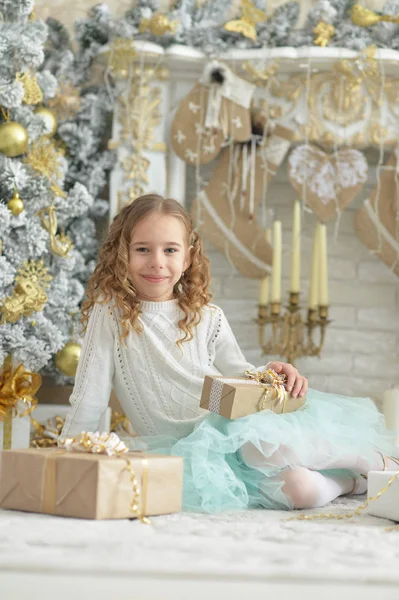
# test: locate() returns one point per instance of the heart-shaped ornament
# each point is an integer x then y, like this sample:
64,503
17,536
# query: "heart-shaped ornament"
326,183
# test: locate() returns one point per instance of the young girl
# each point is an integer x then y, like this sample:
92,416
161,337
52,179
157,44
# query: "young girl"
152,334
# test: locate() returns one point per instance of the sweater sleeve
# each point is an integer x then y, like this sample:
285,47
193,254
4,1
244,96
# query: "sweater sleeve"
229,359
93,383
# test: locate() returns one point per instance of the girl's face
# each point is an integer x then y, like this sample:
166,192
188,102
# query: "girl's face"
158,255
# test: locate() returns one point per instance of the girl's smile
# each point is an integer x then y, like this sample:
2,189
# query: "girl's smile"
158,256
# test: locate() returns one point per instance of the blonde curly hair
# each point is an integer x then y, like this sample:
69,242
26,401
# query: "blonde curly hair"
110,280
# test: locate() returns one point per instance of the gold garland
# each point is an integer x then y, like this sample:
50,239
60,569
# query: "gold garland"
354,513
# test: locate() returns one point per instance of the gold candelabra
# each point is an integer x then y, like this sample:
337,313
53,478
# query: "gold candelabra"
292,336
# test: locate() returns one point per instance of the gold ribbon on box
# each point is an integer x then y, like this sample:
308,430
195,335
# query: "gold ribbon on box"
275,397
17,387
97,443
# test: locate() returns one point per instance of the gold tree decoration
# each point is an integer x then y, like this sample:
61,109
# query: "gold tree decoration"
32,92
60,244
159,24
323,32
28,296
250,16
44,158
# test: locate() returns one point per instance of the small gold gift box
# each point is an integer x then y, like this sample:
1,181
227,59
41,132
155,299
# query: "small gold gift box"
235,397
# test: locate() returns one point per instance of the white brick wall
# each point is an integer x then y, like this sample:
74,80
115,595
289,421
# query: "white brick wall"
361,352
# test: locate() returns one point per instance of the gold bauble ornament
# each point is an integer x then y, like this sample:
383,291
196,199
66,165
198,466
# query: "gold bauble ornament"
13,139
15,204
66,360
49,118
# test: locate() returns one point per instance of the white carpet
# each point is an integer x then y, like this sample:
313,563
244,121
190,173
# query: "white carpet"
261,545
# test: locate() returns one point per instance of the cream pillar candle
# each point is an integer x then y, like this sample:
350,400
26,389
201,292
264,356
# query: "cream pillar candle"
276,266
264,284
323,266
314,275
390,406
296,248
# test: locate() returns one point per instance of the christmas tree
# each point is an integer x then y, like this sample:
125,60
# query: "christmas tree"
42,269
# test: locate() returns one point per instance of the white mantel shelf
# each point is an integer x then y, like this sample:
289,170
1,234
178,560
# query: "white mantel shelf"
290,59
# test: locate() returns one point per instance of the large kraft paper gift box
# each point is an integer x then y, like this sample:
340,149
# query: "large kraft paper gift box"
235,397
89,486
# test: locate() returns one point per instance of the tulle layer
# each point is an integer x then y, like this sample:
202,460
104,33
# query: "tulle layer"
237,464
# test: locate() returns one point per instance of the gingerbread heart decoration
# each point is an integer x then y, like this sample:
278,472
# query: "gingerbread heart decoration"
326,183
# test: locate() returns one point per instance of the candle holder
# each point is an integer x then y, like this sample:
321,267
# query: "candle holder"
291,335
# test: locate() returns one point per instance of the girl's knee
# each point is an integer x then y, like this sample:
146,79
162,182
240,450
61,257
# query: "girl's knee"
266,455
300,487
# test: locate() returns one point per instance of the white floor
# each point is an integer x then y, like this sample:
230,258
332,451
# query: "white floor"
41,586
233,555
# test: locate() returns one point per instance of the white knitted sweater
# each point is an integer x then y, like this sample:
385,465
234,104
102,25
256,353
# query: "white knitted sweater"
157,383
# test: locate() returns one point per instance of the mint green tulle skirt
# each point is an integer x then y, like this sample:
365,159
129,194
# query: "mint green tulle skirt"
237,464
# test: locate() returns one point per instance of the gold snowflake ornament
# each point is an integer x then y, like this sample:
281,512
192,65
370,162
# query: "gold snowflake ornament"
28,296
44,158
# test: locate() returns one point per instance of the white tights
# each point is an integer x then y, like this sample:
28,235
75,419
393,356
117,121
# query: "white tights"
309,489
303,485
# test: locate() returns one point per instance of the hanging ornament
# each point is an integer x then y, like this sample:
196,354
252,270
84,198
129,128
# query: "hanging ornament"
323,32
13,139
120,56
364,17
159,24
249,18
28,296
49,118
32,92
66,102
66,359
60,244
15,204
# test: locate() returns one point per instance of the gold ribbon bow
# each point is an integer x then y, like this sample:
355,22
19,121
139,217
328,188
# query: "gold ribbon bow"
270,381
16,385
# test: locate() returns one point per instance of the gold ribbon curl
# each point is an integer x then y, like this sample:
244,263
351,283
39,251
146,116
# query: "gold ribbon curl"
270,381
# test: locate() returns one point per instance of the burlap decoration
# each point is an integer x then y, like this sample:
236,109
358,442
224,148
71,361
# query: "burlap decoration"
377,222
216,109
326,183
225,211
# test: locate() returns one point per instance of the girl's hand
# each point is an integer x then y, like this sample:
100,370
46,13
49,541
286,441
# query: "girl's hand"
296,384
